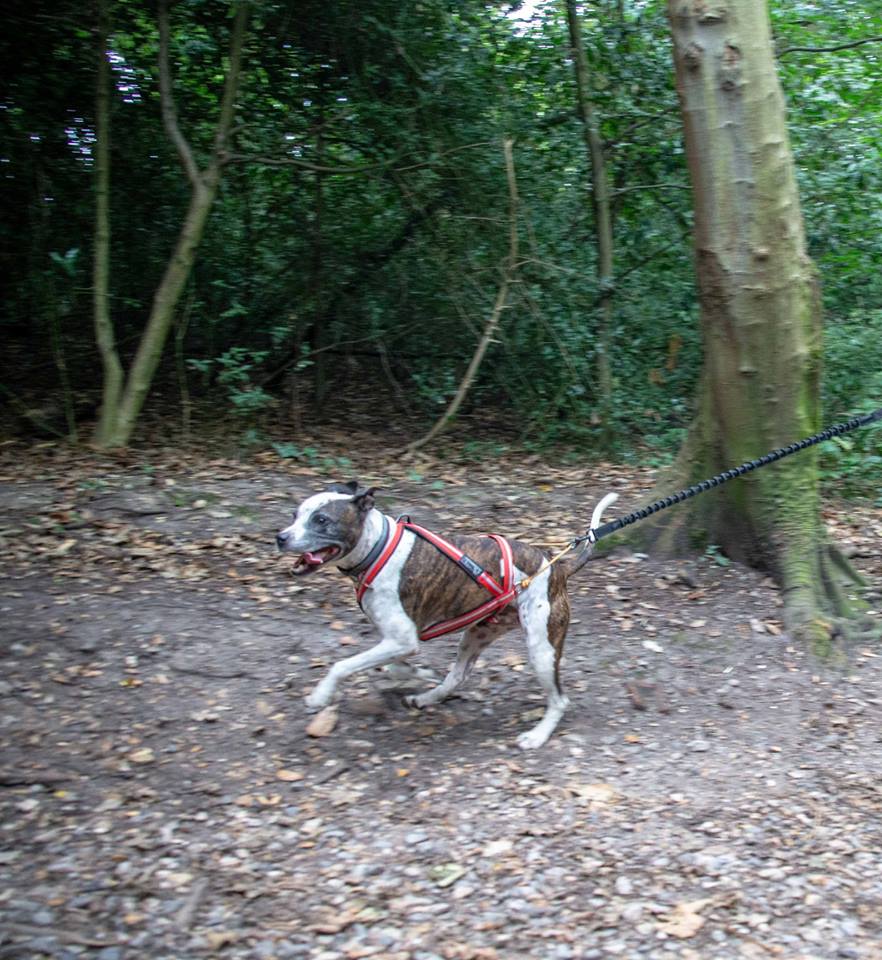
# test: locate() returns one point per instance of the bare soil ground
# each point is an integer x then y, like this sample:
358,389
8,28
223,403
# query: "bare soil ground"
713,792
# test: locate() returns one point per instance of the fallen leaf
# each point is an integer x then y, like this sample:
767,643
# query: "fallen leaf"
204,716
289,776
497,848
685,919
599,793
336,922
217,939
322,723
63,548
446,874
144,755
271,800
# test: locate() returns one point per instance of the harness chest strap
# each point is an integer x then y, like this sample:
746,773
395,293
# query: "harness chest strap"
500,595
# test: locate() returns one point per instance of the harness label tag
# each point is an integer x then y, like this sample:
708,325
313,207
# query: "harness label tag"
470,567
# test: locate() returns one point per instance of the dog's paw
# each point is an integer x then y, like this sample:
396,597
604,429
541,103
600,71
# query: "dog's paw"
411,701
317,700
532,739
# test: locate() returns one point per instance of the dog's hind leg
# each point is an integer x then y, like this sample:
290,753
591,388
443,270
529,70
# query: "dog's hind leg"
545,625
473,642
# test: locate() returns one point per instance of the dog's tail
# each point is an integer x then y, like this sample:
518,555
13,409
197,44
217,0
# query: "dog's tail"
574,564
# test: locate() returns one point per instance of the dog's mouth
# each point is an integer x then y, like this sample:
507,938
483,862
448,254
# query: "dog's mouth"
312,559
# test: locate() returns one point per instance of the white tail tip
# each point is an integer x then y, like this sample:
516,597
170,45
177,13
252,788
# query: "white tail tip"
598,510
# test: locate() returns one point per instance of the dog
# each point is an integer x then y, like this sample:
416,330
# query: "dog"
406,584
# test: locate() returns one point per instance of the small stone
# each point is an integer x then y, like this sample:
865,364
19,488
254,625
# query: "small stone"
632,912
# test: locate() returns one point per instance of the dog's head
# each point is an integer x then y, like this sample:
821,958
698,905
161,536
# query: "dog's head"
327,526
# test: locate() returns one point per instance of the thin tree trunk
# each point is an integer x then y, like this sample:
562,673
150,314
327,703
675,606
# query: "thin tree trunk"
319,324
204,185
602,215
161,316
760,316
508,273
104,332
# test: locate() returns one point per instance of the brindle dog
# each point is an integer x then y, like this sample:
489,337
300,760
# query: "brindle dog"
418,585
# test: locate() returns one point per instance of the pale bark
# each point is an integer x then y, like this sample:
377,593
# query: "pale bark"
104,333
600,196
204,183
760,315
509,269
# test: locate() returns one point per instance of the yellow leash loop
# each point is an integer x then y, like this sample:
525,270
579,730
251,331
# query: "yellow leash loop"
546,566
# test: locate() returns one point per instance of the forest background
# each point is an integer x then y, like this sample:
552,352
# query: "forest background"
368,218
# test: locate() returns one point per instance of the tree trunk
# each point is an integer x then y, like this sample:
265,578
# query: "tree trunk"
602,216
760,316
118,422
104,333
162,313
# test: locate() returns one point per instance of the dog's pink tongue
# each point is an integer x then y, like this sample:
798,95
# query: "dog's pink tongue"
313,559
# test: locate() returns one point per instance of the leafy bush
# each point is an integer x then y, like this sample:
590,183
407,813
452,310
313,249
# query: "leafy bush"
852,464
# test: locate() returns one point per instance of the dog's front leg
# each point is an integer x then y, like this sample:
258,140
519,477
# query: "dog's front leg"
389,649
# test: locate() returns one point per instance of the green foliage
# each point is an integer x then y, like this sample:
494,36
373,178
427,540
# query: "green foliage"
713,553
362,228
235,367
311,456
851,465
67,262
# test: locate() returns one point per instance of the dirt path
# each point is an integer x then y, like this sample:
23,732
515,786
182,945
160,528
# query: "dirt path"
714,792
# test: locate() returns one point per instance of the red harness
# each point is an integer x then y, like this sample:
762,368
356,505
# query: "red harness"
500,596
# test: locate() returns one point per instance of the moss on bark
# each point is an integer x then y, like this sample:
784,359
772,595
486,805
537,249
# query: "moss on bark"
761,321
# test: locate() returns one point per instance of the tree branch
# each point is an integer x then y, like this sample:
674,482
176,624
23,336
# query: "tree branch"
231,84
169,113
831,49
651,186
365,168
307,165
508,273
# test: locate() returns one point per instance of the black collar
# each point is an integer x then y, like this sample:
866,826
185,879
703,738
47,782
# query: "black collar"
376,550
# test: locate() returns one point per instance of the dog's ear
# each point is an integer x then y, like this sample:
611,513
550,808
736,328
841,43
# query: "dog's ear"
350,488
364,500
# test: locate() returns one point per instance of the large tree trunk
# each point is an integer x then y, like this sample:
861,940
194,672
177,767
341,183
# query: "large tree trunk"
122,408
760,316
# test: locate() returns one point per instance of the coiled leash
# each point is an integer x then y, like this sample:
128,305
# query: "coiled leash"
502,595
593,535
746,467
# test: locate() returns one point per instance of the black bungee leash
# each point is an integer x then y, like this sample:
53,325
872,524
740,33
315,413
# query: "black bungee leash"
607,528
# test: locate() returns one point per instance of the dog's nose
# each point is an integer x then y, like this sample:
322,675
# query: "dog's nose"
281,540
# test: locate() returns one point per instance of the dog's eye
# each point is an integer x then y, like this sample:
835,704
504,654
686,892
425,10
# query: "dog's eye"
321,520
